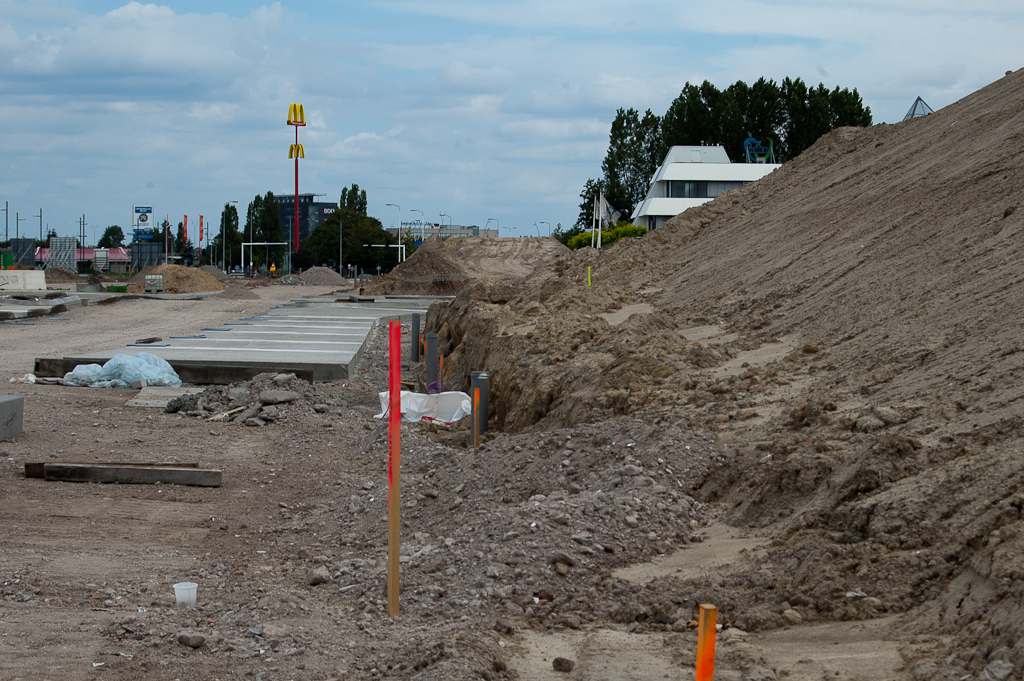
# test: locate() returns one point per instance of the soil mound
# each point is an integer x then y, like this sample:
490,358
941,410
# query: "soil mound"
851,324
216,273
61,275
177,279
322,276
443,266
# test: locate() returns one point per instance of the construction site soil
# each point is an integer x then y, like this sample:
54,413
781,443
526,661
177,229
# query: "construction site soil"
799,402
178,279
444,266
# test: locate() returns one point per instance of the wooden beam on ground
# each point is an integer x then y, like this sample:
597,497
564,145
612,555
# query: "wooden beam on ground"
129,473
35,470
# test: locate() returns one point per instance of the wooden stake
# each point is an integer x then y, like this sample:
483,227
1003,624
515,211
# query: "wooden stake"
706,630
394,464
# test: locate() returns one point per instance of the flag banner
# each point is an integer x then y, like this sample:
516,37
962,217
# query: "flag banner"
185,227
200,230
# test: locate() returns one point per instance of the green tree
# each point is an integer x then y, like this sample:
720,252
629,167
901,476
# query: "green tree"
229,239
183,246
113,237
354,199
586,216
634,144
360,232
263,225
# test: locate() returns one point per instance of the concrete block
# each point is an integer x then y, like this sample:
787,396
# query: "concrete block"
139,384
12,414
22,280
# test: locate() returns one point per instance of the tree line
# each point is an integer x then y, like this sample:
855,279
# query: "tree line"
790,114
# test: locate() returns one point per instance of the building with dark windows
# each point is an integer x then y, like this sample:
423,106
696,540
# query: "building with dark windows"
690,176
311,213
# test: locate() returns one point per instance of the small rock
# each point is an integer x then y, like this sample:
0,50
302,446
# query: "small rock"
573,488
191,639
792,617
269,397
888,415
630,469
563,558
320,575
281,379
271,631
562,664
1000,670
631,521
810,348
562,569
255,422
869,424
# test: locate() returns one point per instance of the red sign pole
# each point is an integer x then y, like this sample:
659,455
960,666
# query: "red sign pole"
394,463
295,241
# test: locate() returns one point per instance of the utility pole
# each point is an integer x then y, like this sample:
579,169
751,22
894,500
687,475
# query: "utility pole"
17,224
7,218
81,240
40,216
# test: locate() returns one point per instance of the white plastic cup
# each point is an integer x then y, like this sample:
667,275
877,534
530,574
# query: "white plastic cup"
185,593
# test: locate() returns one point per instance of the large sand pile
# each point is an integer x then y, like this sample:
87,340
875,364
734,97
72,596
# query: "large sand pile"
852,325
178,279
443,266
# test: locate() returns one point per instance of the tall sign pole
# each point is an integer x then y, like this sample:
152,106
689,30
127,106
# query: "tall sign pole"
296,117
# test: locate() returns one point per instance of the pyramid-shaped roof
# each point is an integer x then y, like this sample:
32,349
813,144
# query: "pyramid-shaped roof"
918,109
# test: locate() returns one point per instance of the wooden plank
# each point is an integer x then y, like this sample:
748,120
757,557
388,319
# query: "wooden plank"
142,475
35,470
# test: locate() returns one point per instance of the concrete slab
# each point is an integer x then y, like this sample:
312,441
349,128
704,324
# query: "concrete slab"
12,416
157,396
13,308
22,280
318,342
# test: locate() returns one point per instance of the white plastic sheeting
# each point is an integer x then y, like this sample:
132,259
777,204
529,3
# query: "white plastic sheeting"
447,407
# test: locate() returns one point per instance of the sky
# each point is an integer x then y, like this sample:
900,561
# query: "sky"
475,113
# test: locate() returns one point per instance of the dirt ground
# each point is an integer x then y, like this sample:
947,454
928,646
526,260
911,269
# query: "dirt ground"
799,402
443,266
497,541
849,327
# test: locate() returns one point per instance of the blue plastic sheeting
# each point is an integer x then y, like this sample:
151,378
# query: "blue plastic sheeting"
121,371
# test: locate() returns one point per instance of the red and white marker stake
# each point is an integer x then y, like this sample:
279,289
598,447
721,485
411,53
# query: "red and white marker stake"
394,462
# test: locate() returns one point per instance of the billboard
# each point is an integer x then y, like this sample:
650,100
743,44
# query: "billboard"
142,222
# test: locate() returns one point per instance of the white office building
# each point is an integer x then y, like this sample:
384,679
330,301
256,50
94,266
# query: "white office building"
690,176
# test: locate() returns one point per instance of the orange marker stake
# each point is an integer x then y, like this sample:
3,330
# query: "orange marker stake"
706,629
394,463
476,417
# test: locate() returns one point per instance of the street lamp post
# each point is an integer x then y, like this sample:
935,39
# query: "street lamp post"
395,205
296,117
443,216
413,210
549,226
495,222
